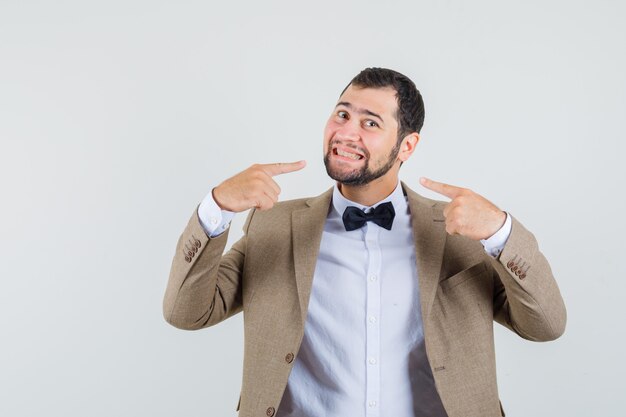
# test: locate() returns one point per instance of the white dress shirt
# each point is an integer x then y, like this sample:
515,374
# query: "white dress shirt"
363,351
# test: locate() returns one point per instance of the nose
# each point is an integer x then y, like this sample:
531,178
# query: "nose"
348,132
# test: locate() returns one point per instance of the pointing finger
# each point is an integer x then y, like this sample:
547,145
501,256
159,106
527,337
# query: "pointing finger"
271,183
283,167
448,190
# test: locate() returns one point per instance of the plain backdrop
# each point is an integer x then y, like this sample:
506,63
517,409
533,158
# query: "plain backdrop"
117,117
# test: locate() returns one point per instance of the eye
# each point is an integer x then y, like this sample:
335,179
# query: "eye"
342,114
371,123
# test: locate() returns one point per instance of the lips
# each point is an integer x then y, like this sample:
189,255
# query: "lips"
349,154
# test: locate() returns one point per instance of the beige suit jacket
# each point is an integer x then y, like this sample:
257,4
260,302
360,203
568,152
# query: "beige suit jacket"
268,274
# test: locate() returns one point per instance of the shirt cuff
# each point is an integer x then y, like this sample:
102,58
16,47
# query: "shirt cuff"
495,244
213,219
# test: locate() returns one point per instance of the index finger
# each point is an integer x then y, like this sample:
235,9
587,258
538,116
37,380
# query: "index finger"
283,167
448,190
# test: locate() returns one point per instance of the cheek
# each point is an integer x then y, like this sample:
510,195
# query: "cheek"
328,134
379,148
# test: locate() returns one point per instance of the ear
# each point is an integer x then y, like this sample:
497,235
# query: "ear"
408,146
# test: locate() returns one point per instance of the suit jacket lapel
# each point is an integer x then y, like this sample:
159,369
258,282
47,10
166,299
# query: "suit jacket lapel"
428,233
307,227
430,236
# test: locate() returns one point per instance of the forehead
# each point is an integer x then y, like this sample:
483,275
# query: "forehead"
378,100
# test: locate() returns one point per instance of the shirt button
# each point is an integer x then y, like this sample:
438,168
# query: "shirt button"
372,319
213,220
372,403
372,361
373,278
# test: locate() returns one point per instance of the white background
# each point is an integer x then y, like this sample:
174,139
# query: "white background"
117,117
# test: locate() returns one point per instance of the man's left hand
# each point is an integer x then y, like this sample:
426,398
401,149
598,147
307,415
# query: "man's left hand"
468,214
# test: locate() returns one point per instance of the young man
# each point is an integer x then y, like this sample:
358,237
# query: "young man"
369,299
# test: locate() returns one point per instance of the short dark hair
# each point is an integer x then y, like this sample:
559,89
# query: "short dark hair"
410,114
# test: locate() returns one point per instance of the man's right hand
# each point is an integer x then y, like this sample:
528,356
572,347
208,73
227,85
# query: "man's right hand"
253,187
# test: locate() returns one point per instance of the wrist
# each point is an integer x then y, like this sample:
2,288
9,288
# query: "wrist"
216,193
498,223
502,219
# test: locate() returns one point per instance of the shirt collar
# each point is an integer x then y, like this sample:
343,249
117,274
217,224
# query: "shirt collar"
397,198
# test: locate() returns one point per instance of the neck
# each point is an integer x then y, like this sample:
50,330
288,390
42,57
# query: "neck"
370,193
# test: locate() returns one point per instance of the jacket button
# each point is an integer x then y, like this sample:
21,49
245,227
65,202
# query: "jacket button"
187,258
510,264
289,357
189,253
270,411
197,243
514,268
522,276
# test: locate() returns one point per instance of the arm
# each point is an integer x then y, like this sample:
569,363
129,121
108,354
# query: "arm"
204,288
527,299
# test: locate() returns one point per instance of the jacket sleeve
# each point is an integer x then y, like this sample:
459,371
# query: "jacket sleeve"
204,286
527,299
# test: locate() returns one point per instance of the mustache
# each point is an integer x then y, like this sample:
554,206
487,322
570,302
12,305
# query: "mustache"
360,150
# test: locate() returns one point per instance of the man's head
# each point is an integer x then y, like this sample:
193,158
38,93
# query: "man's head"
410,105
374,127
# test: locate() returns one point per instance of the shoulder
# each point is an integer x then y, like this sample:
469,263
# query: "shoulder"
280,215
418,200
282,209
456,246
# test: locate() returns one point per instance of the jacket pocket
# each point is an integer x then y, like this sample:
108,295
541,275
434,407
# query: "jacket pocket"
464,275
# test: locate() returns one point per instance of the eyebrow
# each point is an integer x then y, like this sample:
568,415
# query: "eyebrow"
361,111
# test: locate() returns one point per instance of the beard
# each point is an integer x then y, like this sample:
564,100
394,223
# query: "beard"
363,175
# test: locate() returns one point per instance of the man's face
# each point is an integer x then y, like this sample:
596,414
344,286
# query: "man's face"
361,136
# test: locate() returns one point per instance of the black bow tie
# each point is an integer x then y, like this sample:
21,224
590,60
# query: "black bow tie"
355,218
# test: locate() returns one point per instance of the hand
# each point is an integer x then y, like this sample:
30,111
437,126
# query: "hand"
253,187
468,214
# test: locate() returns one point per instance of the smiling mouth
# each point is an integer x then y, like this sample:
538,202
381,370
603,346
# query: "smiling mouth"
346,154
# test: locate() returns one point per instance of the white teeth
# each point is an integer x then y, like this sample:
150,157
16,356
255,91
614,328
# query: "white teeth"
348,154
